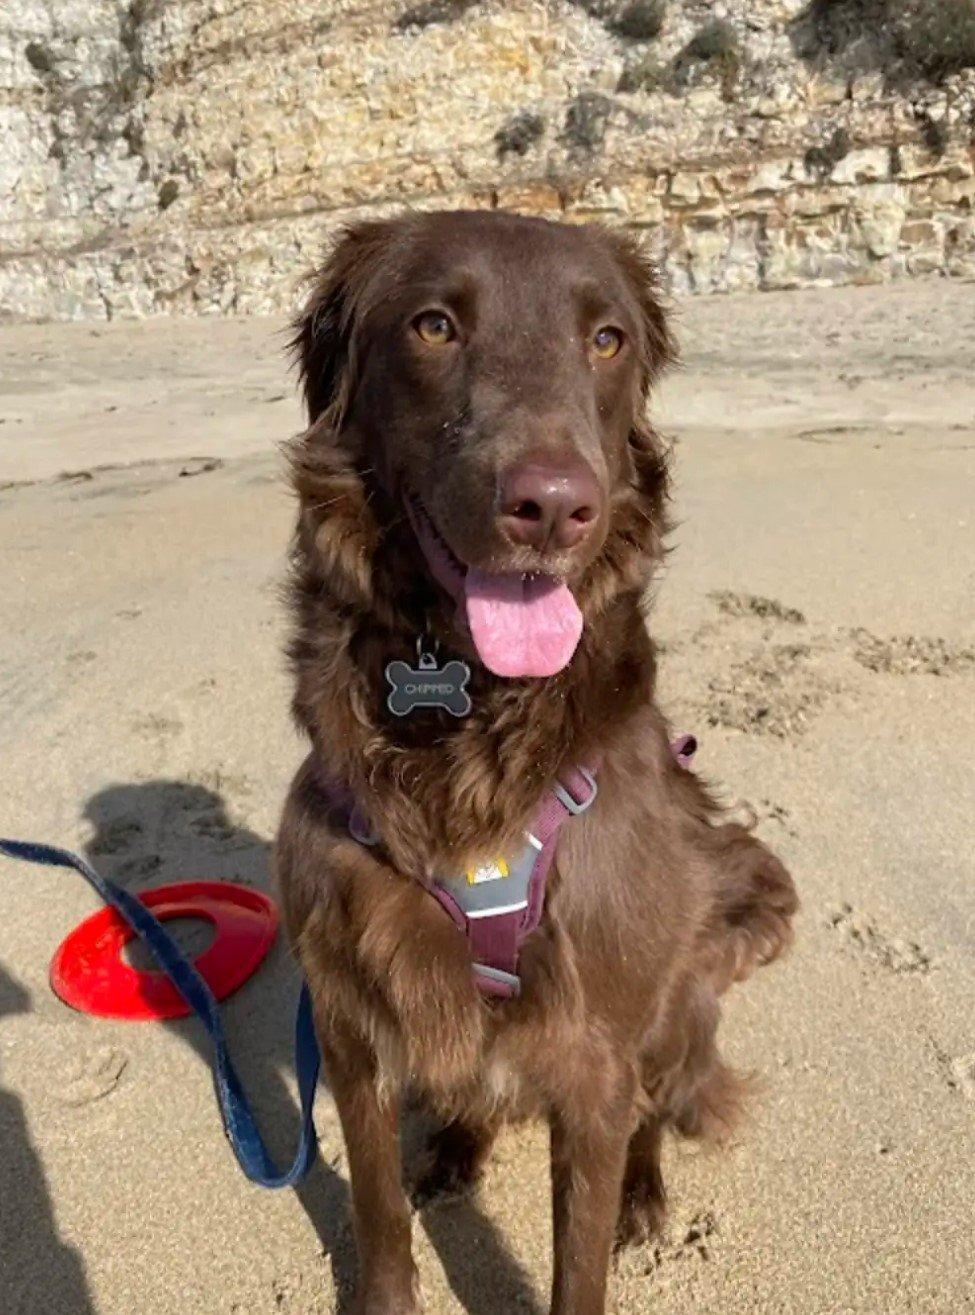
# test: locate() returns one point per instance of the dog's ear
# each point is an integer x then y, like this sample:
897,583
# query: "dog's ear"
324,333
336,535
639,524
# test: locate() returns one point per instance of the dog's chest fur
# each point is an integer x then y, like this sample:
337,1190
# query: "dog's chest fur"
412,984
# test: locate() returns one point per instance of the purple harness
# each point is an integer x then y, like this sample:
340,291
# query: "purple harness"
498,904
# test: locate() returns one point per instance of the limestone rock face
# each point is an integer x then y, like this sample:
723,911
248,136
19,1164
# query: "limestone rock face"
197,155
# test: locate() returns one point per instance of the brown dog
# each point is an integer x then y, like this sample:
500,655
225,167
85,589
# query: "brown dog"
478,474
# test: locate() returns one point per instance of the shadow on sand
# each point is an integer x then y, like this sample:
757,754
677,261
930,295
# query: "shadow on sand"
154,832
38,1272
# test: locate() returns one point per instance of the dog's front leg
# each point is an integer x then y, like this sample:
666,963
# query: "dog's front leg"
387,1277
589,1144
588,1155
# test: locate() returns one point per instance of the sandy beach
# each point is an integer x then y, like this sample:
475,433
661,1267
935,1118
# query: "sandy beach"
817,627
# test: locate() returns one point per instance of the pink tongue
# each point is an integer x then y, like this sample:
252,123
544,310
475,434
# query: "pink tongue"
521,625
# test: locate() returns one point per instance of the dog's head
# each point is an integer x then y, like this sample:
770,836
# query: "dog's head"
484,376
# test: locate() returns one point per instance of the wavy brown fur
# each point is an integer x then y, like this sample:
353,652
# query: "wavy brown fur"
656,904
360,594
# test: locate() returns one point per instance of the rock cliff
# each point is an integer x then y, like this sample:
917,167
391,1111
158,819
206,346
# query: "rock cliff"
195,155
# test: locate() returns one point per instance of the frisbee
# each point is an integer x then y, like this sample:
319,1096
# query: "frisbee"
88,974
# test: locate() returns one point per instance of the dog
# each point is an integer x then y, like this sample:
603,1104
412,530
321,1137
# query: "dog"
479,482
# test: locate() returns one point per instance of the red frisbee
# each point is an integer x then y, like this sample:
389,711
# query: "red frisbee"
88,974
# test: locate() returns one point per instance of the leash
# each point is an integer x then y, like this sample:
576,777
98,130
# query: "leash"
238,1120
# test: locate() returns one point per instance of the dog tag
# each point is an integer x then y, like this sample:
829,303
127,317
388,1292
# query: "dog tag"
428,685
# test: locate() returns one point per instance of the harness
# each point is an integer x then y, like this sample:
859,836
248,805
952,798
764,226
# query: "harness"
497,904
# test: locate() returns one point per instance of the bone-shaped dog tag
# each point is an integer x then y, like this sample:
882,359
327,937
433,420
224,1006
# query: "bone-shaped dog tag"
428,686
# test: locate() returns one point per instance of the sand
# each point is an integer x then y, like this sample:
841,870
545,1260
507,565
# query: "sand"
816,617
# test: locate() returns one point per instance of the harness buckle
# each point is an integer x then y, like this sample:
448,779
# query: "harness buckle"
575,806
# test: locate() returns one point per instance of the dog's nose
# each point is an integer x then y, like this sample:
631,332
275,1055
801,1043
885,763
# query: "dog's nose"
549,504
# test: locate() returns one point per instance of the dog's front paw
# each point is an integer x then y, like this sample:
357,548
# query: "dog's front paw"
383,1305
390,1292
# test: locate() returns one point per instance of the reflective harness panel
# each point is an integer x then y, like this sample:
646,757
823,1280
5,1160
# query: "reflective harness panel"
499,903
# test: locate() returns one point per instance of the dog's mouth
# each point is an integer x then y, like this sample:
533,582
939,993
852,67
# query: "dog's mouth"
521,624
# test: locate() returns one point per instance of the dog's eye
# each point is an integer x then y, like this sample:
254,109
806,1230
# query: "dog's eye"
606,342
435,328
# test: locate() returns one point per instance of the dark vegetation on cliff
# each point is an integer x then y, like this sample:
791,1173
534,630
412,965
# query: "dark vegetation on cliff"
909,40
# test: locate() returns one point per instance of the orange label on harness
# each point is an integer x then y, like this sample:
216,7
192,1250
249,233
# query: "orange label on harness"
494,871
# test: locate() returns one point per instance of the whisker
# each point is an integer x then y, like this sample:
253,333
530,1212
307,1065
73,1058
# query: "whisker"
320,506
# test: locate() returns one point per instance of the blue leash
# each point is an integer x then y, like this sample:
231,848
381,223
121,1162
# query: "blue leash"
238,1121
